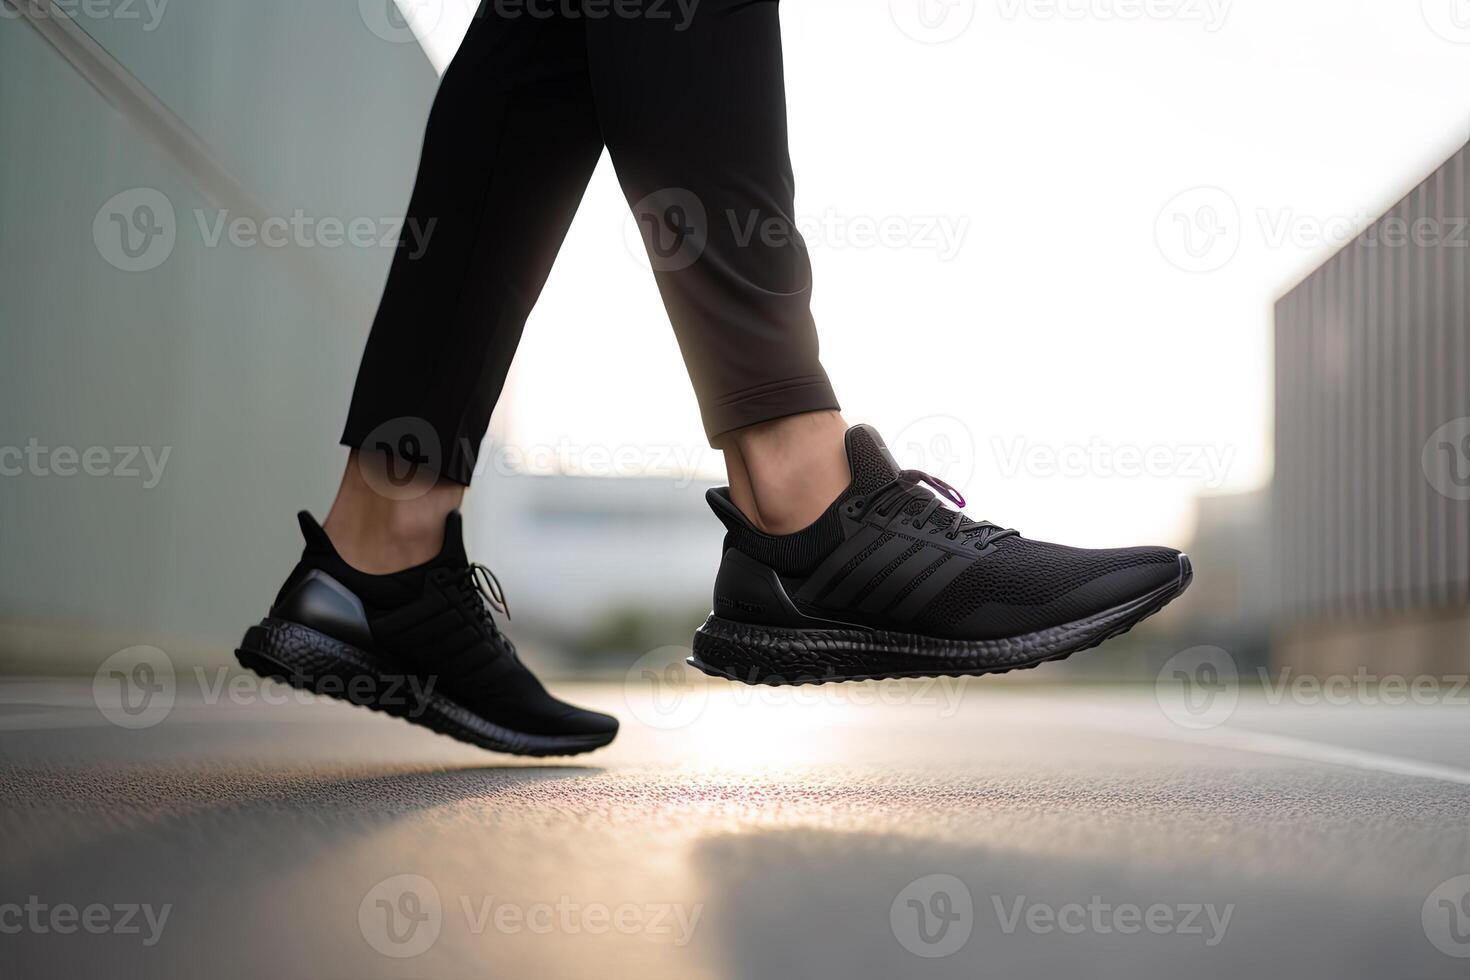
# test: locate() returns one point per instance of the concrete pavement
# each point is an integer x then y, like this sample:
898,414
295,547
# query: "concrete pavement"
937,830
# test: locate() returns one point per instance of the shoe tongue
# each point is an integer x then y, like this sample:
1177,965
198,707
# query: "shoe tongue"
871,463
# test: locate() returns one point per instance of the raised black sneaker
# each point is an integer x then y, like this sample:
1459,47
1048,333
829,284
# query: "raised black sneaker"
889,582
420,644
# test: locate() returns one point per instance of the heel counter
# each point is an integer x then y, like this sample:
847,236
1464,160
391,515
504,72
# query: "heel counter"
321,602
748,592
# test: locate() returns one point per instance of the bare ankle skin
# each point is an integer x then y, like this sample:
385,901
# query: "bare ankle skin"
378,527
786,472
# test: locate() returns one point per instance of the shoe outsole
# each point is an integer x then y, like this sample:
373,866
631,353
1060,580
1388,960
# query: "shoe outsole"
309,660
775,657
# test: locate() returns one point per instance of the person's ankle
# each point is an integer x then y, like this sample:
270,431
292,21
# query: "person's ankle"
383,547
785,473
379,534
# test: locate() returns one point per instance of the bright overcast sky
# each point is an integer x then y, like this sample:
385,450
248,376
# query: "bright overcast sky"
1046,247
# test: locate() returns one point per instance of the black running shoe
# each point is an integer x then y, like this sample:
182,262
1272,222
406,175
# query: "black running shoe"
891,583
420,644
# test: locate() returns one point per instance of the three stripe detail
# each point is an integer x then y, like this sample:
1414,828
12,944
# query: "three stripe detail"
865,573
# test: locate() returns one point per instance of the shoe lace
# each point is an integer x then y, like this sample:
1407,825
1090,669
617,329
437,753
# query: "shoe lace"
489,588
913,487
485,595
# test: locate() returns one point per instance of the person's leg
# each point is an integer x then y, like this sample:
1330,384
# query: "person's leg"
384,607
510,145
784,473
694,113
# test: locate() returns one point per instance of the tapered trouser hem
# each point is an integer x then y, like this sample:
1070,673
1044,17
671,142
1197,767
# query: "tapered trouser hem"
770,402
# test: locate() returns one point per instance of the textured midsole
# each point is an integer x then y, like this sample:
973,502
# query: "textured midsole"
775,655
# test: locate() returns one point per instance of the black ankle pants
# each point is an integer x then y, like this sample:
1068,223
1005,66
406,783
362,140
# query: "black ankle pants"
688,96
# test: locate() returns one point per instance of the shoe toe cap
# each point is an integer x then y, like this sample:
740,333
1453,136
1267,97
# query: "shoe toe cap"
1069,585
583,721
1152,570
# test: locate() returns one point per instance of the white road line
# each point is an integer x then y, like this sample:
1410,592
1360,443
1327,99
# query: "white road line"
1306,750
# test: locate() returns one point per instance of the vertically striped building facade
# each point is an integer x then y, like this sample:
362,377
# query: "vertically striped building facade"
1372,486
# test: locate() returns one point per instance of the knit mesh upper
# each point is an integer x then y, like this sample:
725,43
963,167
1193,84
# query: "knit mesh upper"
1022,572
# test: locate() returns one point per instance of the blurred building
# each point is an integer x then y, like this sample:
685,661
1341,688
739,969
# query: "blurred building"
1232,602
133,327
1371,502
598,569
